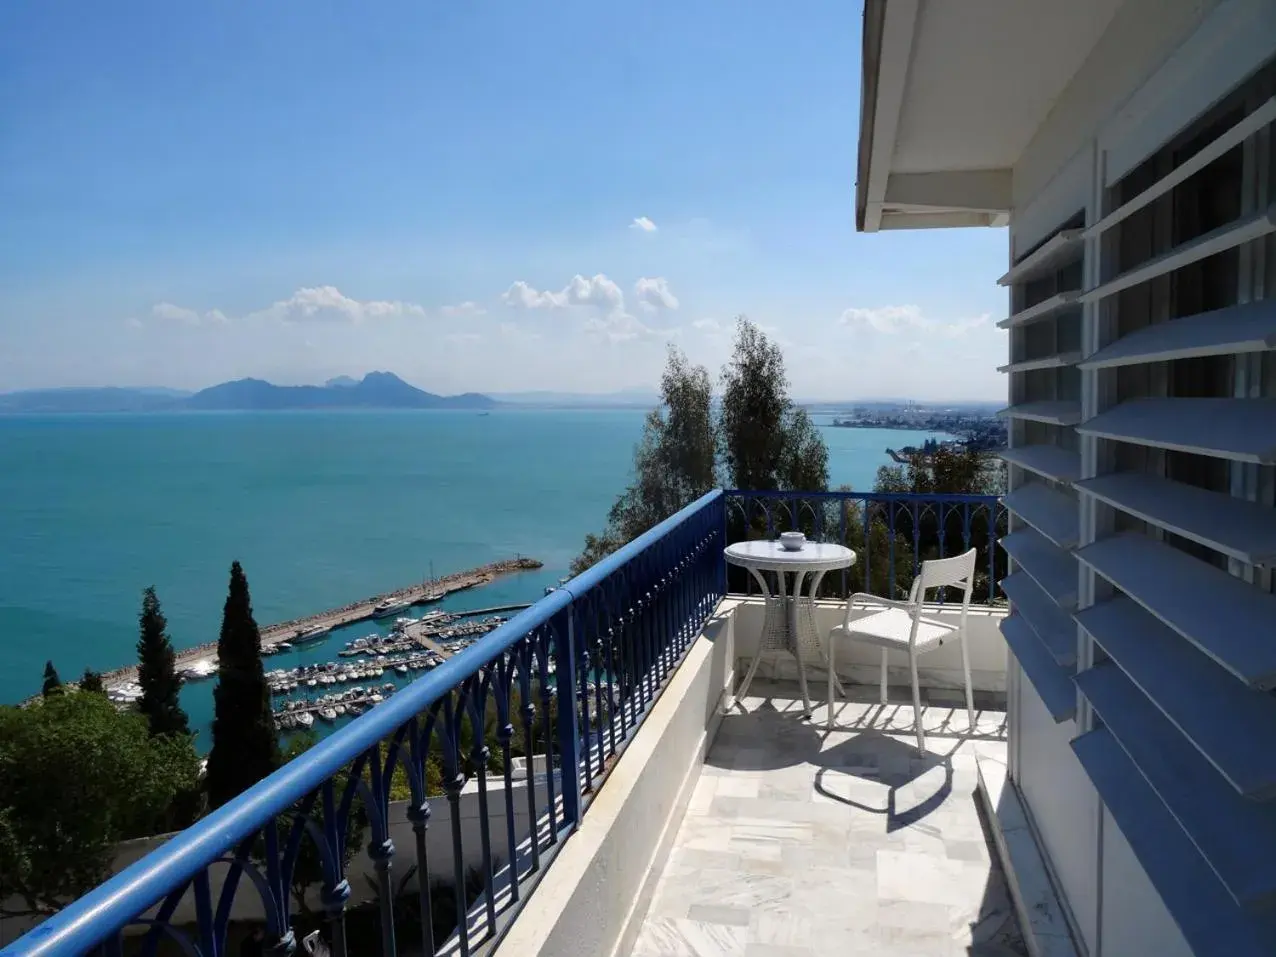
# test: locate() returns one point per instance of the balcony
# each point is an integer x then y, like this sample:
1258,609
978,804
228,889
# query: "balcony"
622,787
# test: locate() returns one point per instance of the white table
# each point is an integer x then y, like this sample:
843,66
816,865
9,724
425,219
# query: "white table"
790,616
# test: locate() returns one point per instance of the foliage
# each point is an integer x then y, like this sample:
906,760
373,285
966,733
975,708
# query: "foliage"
52,683
76,777
363,922
92,682
944,471
766,441
938,530
760,440
156,671
245,744
308,870
673,462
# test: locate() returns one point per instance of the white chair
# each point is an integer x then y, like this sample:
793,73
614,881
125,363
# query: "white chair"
901,625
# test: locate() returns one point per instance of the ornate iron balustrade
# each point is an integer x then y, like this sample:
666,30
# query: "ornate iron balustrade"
566,682
891,533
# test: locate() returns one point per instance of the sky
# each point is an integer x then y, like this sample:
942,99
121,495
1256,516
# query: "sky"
476,196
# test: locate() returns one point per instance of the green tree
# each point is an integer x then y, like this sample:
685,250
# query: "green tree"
156,671
308,869
92,681
760,440
245,744
52,683
947,470
674,462
943,471
766,441
76,777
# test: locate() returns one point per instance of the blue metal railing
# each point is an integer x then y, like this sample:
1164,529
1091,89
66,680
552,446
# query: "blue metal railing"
892,533
568,681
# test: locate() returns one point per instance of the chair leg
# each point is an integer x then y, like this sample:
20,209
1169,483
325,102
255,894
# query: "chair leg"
828,722
917,703
965,665
884,656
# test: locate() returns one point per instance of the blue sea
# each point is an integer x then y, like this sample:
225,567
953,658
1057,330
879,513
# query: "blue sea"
320,508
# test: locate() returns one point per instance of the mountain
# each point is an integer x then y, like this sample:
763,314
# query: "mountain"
92,400
377,390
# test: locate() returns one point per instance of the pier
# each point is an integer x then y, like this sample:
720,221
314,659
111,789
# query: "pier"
355,611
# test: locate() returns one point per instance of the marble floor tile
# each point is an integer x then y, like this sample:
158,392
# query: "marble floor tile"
688,938
803,843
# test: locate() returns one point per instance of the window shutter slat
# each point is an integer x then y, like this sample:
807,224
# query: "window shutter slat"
1226,618
1203,909
1230,724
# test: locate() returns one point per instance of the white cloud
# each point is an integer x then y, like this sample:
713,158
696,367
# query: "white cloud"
603,303
318,303
329,302
133,322
895,319
621,327
707,325
643,225
653,294
888,319
467,309
168,312
597,291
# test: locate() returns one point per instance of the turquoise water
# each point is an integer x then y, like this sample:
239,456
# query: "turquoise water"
321,509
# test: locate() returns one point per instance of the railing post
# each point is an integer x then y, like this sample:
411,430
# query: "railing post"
721,558
568,713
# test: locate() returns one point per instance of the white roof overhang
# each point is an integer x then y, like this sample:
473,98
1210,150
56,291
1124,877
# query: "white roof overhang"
951,95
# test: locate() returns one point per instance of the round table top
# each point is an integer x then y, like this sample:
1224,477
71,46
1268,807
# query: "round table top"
812,556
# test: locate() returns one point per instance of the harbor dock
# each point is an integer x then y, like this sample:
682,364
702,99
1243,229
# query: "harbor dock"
204,655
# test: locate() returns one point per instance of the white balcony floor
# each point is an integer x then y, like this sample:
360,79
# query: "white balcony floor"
801,843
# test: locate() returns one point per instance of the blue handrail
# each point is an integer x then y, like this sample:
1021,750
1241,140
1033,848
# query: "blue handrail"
920,497
98,915
619,627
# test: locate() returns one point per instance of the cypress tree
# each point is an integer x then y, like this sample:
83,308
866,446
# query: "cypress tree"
156,672
92,681
245,745
52,683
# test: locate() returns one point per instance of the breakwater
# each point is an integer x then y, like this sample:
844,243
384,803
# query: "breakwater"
349,613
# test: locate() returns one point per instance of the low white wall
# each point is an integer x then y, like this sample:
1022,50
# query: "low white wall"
861,663
593,897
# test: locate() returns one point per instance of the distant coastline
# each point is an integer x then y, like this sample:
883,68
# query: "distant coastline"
376,390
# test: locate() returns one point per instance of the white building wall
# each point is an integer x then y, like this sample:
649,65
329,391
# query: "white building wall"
1134,919
1062,804
1161,63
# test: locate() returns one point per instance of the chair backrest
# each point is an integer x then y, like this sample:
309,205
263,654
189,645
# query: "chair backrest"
941,572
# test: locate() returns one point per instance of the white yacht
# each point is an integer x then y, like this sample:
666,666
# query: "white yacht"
328,714
390,606
312,634
305,719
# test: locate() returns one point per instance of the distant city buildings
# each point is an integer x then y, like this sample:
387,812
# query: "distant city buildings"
976,428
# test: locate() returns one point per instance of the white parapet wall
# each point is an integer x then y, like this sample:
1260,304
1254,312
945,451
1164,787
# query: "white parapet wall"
861,663
593,897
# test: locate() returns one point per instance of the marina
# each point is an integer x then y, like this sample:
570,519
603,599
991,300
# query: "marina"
318,690
200,662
